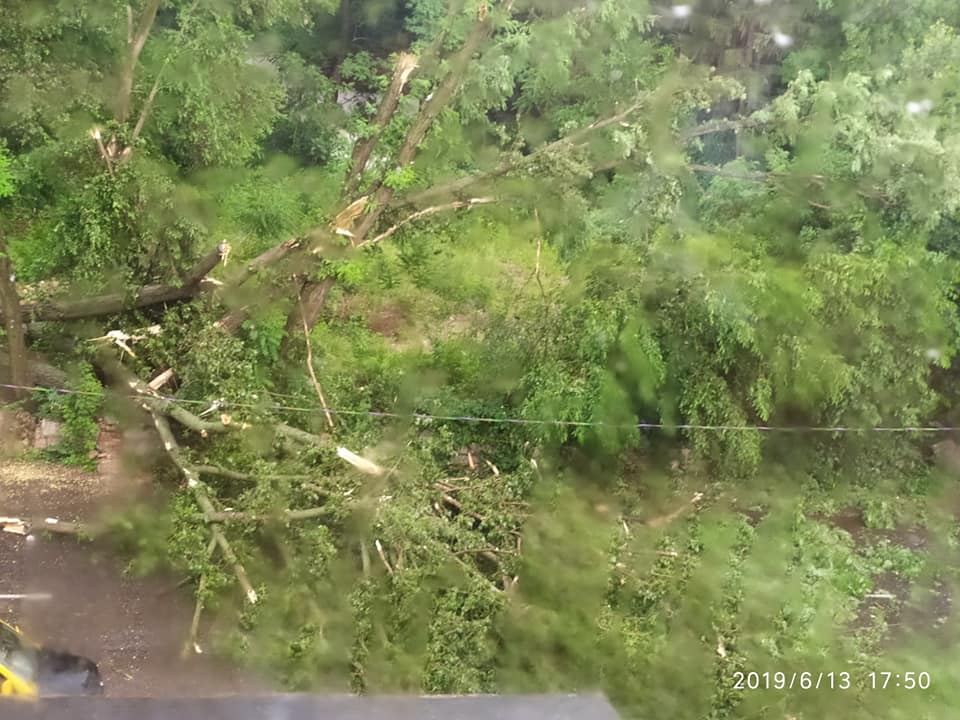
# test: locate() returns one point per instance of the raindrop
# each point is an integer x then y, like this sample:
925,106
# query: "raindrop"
919,107
782,39
681,11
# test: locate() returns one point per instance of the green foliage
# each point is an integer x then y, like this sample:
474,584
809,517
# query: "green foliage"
7,186
220,98
78,411
638,268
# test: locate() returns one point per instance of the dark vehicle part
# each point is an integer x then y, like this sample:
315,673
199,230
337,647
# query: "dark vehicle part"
62,673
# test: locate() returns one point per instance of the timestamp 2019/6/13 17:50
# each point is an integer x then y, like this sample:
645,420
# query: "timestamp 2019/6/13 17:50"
793,680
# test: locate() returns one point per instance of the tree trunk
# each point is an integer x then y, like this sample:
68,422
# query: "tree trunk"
18,366
313,295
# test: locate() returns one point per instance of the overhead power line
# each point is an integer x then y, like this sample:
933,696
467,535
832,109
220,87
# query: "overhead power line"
224,404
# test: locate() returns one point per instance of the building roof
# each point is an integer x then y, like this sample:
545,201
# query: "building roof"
311,707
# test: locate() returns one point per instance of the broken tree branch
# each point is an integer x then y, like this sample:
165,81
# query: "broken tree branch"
716,126
312,297
406,64
572,140
383,557
193,482
456,205
151,401
302,436
198,607
283,515
155,404
234,475
95,134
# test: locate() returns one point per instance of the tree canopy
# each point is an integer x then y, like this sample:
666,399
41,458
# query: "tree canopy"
518,255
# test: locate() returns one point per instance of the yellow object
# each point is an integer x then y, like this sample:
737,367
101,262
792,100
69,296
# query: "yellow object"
18,664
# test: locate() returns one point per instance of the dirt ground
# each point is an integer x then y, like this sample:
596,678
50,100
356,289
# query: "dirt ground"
134,628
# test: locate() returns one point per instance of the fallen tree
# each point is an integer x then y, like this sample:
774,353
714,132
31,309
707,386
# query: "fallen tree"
111,303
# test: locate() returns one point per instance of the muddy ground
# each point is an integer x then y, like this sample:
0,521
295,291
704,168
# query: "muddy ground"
134,628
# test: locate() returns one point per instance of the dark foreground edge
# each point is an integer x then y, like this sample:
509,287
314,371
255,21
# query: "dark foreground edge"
311,707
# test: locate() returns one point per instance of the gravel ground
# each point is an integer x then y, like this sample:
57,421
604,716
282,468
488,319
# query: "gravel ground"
133,628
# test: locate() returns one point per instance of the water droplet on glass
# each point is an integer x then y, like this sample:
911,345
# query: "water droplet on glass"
782,39
919,107
681,11
933,354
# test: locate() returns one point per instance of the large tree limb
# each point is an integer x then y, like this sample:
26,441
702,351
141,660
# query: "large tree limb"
18,366
439,100
362,151
135,44
41,373
119,302
573,140
55,526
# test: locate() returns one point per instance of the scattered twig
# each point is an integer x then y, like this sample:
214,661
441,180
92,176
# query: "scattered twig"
670,517
55,526
536,268
313,374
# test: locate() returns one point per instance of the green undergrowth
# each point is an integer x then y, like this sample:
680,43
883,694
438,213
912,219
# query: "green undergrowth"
765,575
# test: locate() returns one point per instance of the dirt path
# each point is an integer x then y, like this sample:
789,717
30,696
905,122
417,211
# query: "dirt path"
132,627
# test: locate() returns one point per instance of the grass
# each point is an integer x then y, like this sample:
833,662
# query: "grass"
778,581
